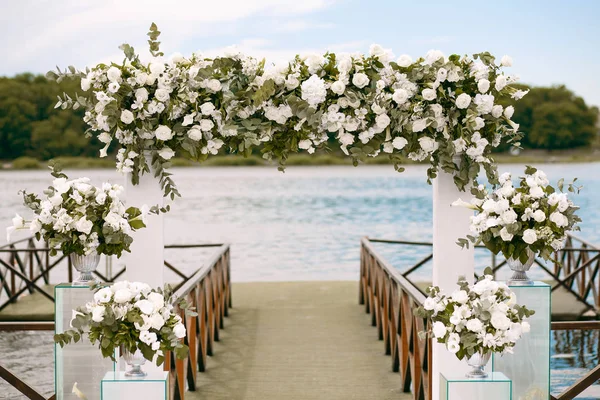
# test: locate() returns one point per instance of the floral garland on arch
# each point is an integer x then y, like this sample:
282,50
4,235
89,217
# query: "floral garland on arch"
434,108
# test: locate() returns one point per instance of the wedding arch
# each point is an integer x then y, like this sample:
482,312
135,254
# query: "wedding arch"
443,110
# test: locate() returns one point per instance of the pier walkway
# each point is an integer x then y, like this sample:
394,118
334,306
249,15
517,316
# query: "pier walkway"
298,341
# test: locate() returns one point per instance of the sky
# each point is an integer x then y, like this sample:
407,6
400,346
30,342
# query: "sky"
552,42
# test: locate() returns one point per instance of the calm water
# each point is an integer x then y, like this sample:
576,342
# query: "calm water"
304,224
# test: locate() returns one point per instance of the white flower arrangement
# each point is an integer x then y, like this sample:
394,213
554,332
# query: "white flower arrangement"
480,318
131,315
512,220
432,109
76,217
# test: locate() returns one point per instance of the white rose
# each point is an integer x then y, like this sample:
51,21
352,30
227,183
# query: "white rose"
157,299
429,94
157,321
338,87
453,347
103,295
463,100
483,85
539,216
195,133
163,133
536,192
442,74
460,296
207,108
141,95
506,61
214,85
101,198
509,111
559,219
428,144
35,226
404,60
206,125
141,78
85,84
166,153
500,321
474,325
505,235
525,327
113,74
145,306
98,313
84,225
529,236
501,82
126,117
429,304
179,331
400,96
432,56
157,67
162,95
360,80
439,330
497,111
123,296
419,124
148,337
382,121
509,217
399,142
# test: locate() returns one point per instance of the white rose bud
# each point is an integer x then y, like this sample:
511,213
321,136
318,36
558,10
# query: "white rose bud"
509,111
166,153
506,61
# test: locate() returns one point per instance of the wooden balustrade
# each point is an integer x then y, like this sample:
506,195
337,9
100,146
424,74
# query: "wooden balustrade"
209,292
390,299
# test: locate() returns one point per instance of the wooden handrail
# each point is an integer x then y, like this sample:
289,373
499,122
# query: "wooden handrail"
578,387
26,326
390,298
21,386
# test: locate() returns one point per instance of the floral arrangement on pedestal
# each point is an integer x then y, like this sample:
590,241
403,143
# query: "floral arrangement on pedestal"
133,317
475,320
82,220
441,109
523,221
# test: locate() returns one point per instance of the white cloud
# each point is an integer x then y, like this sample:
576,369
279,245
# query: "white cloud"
44,33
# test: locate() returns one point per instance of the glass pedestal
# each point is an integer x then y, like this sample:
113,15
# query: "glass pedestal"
495,387
529,366
77,363
116,386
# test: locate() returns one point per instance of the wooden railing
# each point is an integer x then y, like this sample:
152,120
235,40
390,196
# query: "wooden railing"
390,299
25,267
578,270
208,290
592,376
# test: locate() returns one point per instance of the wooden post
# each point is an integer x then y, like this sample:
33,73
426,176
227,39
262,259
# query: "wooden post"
449,262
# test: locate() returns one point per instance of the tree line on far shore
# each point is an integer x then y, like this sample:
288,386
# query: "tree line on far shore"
552,118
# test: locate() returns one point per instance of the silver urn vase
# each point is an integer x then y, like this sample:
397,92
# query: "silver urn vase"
477,362
85,265
519,276
134,363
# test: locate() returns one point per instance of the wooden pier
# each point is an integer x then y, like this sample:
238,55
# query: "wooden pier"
297,341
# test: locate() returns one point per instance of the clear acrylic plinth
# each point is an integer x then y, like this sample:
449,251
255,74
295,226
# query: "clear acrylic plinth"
154,386
496,386
81,362
529,366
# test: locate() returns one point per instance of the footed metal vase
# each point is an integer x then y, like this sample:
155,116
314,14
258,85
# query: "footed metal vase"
85,265
519,276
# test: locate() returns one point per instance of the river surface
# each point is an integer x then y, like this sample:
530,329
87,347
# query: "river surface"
304,224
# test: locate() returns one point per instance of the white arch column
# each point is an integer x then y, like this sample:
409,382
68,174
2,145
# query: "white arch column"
449,261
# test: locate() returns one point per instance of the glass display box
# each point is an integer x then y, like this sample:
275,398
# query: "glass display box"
529,366
496,386
116,386
77,363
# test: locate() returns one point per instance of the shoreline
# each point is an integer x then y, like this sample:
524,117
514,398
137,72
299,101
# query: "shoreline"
526,157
